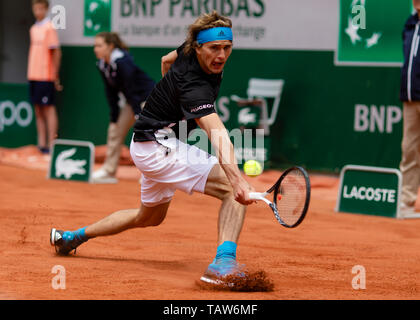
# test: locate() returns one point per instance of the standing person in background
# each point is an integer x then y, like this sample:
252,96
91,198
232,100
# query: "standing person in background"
410,95
120,76
43,74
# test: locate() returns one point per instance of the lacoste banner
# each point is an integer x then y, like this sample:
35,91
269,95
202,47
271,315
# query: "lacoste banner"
369,190
71,160
370,31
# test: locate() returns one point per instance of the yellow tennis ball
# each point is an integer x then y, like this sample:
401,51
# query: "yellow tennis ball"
252,168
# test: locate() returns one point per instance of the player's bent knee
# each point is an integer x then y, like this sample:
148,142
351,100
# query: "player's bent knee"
222,190
143,221
218,185
156,221
151,216
226,192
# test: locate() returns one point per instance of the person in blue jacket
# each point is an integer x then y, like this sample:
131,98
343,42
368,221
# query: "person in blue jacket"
410,96
124,82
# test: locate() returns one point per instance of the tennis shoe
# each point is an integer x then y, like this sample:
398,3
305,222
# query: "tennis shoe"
220,268
64,241
101,176
44,150
406,210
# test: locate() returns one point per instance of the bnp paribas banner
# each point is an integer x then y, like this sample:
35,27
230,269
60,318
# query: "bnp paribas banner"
163,23
257,24
370,32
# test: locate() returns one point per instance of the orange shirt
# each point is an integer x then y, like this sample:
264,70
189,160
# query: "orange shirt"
40,62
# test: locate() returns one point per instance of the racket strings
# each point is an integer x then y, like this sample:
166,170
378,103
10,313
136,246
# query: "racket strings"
292,198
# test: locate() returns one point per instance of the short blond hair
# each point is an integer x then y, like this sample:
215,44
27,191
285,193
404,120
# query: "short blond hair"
204,22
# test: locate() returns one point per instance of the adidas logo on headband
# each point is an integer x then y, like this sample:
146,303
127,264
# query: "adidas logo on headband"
213,34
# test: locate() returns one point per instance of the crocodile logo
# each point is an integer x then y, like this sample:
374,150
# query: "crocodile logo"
246,117
64,166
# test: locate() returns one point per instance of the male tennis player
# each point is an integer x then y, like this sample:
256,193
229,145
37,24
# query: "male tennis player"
192,77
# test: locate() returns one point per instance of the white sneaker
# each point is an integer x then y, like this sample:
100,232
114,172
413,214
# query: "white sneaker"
101,176
406,210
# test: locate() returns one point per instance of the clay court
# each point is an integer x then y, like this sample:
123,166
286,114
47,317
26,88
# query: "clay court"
313,261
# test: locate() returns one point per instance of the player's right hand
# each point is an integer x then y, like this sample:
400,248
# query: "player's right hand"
241,192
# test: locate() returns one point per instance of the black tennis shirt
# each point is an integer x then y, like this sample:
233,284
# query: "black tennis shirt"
186,92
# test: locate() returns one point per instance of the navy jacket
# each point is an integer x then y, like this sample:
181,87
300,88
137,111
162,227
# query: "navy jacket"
410,72
122,75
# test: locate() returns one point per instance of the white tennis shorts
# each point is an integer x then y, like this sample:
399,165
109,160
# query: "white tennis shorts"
168,165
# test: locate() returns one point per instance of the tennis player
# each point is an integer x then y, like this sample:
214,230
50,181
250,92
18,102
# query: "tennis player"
192,77
121,76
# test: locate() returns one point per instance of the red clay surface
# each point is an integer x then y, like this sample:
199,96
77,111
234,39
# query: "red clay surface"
313,261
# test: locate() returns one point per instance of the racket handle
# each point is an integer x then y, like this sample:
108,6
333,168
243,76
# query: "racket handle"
257,195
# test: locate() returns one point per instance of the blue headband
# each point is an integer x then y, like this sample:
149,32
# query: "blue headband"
214,34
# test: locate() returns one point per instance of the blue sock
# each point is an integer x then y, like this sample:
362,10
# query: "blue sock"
226,249
80,233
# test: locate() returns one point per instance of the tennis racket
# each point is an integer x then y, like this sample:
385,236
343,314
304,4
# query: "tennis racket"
291,195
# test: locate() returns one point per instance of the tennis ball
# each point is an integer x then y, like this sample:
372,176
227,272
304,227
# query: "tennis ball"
252,168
